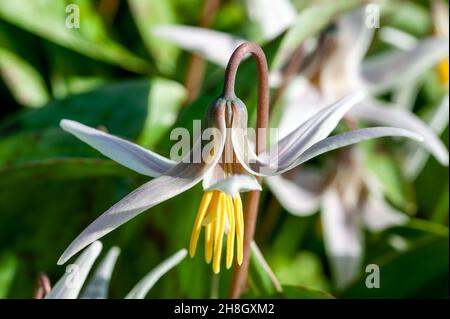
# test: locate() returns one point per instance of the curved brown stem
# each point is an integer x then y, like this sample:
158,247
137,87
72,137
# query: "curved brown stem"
252,199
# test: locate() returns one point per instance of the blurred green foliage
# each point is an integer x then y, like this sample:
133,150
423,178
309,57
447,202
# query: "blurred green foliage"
114,74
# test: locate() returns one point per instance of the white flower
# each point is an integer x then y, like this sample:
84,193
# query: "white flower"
220,210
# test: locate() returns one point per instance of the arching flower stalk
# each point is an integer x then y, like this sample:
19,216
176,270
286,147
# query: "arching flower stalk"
231,166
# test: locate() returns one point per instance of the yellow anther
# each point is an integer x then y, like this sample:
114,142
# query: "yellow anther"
239,219
219,228
208,243
206,199
231,231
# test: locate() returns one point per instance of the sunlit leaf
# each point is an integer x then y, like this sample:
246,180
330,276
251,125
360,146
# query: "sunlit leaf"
47,19
309,22
148,13
8,266
24,81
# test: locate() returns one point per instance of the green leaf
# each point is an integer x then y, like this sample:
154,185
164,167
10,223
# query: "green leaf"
22,78
409,16
64,168
52,154
148,13
299,292
121,108
419,272
8,267
262,280
302,268
47,19
165,100
388,172
309,22
72,73
25,83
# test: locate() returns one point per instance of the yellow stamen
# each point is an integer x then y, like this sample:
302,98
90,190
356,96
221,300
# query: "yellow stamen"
239,228
206,199
443,71
218,209
208,243
231,231
220,224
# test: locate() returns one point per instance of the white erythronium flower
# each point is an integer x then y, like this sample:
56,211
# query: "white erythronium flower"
228,166
71,283
439,116
343,72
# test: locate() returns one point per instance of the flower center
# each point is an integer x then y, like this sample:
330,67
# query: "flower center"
220,214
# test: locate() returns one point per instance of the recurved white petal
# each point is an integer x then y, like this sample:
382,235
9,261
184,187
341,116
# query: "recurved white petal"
437,122
214,46
272,17
392,69
385,114
180,178
125,153
287,150
98,285
349,138
343,239
141,289
69,285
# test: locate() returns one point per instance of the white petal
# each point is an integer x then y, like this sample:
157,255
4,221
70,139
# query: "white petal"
69,285
300,101
214,46
343,239
141,289
126,153
213,176
344,51
352,137
385,114
235,184
273,17
97,287
316,128
390,70
296,193
398,38
180,178
379,215
288,149
438,122
358,36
